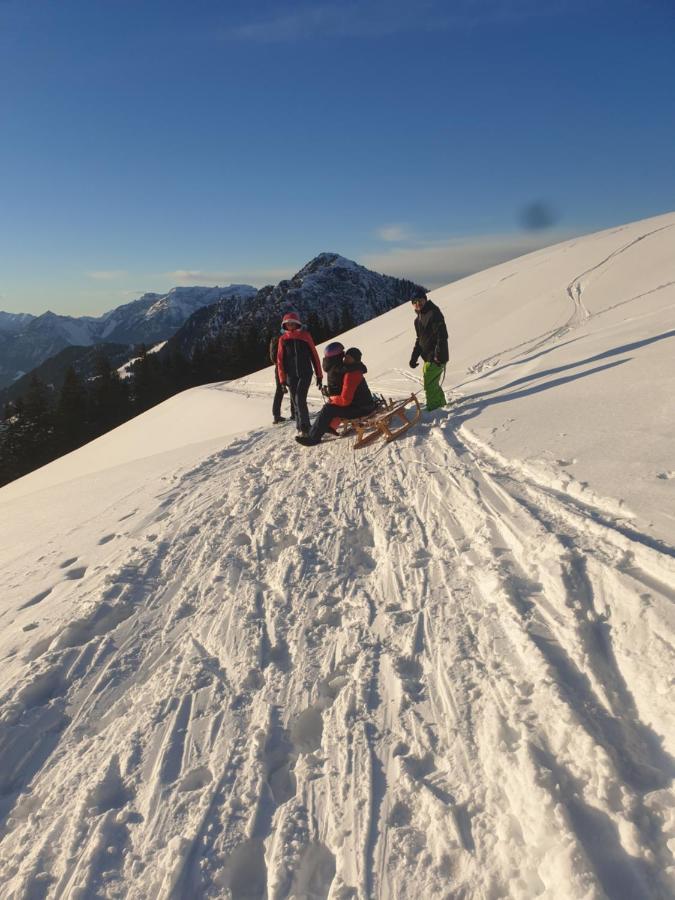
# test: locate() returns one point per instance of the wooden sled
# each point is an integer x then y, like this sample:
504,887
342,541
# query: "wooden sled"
389,421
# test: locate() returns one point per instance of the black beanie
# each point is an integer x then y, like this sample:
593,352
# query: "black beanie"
419,293
355,353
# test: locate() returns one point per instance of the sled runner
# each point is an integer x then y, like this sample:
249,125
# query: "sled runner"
389,421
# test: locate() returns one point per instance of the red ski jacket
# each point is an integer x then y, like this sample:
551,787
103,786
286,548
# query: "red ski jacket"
349,385
284,340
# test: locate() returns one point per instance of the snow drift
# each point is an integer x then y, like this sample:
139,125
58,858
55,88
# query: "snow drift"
233,667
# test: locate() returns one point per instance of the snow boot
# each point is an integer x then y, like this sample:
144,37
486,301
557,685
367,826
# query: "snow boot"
278,420
307,441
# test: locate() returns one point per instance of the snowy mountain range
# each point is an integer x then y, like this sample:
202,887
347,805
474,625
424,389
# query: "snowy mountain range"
442,667
27,341
331,291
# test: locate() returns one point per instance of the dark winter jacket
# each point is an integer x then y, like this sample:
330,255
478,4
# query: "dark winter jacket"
432,335
274,346
355,391
333,366
297,356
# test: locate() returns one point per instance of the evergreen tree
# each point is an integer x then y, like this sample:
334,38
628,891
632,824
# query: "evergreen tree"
28,432
346,320
10,442
71,418
177,371
108,398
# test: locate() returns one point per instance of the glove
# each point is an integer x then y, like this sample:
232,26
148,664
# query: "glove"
284,388
413,363
319,382
324,390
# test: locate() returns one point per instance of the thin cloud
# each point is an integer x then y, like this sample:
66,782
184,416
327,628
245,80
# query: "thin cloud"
197,276
107,274
256,277
393,233
441,262
378,18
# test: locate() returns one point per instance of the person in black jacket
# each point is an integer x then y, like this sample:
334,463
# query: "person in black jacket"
333,366
353,401
297,359
432,345
281,389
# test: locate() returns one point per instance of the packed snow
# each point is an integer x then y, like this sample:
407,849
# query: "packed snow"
442,667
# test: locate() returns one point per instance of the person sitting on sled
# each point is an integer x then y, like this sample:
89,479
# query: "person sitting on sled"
296,357
432,345
353,401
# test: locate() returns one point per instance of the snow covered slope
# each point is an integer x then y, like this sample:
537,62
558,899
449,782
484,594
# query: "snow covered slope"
440,668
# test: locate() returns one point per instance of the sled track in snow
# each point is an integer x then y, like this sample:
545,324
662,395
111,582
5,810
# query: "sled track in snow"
423,675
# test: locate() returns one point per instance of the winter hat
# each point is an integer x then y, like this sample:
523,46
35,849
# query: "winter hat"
290,318
419,293
355,353
334,349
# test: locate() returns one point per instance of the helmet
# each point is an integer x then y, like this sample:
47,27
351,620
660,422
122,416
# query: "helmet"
291,318
334,349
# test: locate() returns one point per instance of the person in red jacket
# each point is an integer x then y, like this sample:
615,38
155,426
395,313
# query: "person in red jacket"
296,358
353,401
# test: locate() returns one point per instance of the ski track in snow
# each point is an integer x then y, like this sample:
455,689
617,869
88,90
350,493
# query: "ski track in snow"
579,315
308,674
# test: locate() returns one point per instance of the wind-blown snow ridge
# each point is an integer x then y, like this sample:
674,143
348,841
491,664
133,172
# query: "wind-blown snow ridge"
439,668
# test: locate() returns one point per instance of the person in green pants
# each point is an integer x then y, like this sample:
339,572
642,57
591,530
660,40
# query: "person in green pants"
431,343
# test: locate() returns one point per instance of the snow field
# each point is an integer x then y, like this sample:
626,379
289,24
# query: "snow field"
437,668
272,686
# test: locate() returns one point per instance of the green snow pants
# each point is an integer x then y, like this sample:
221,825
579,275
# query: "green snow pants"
432,373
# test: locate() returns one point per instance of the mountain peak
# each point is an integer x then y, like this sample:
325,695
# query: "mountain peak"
327,260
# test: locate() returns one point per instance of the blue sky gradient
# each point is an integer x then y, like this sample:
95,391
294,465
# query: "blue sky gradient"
148,144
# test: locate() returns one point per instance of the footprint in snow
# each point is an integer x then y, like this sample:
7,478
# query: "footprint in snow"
106,538
400,815
68,562
307,731
76,574
38,598
195,779
666,476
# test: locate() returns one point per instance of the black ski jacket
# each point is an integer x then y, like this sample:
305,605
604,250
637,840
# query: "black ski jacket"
274,346
297,356
432,335
335,373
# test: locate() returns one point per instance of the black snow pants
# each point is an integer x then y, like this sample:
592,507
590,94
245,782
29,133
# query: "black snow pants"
333,411
278,397
298,388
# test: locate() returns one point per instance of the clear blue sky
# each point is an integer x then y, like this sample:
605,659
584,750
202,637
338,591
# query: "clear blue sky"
145,144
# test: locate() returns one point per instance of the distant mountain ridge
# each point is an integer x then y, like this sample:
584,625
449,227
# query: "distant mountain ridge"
331,293
231,324
52,371
10,323
26,341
